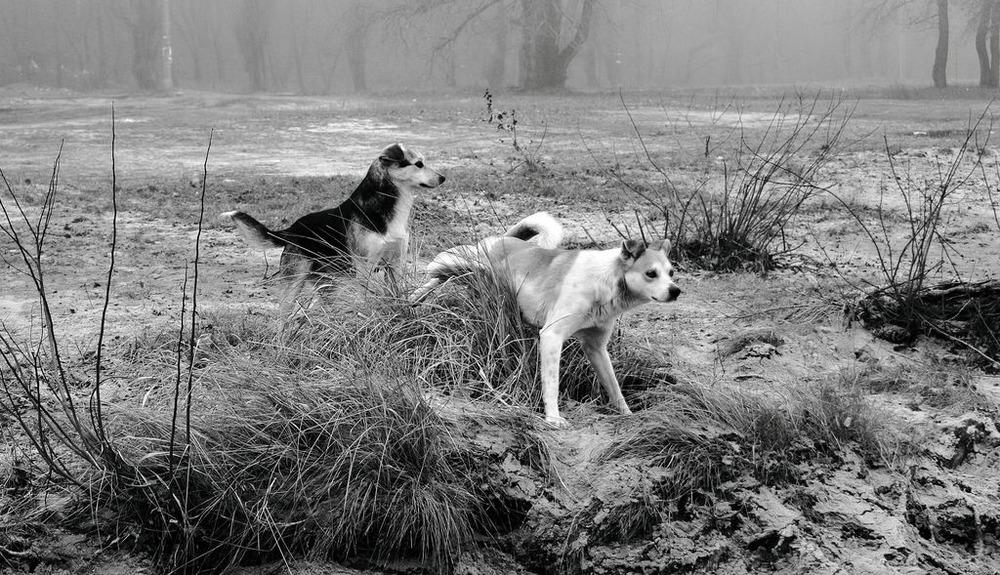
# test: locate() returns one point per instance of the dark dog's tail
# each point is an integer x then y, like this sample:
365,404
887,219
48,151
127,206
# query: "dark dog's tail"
539,228
254,232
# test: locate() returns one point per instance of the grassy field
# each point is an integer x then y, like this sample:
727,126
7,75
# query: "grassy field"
785,422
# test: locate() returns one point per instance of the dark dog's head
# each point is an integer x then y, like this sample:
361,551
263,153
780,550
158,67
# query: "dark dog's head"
405,168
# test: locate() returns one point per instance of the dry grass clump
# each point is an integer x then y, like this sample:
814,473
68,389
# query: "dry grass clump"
331,437
468,339
706,435
325,463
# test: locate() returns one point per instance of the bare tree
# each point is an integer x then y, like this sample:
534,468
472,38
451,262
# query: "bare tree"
166,54
552,33
149,23
982,28
987,42
919,14
994,74
734,22
252,31
359,22
496,68
545,58
939,71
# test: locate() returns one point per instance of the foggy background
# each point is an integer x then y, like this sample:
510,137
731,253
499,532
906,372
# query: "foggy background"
337,46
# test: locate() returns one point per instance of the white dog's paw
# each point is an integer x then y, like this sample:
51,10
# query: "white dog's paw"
624,409
556,421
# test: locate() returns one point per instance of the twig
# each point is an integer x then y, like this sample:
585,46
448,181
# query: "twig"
194,288
96,415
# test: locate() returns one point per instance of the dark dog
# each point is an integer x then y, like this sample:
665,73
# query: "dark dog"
371,228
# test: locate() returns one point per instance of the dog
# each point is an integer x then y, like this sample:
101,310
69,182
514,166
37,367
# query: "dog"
565,293
368,230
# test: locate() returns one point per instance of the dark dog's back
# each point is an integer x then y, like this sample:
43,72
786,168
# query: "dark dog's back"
322,238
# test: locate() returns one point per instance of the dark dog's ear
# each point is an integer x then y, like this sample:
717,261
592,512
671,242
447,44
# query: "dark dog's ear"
394,154
632,249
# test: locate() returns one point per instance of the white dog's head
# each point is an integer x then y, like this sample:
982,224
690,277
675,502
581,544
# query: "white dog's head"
648,272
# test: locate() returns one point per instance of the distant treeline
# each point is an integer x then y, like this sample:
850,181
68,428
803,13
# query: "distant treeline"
325,46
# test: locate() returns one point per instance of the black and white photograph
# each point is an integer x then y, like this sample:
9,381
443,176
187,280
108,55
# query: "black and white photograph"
500,287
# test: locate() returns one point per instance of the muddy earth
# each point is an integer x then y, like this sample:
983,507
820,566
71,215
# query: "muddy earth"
933,509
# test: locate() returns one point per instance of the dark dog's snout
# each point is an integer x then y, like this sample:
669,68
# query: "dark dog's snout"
674,292
440,180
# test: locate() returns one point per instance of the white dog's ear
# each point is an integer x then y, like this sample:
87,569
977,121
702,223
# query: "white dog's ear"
661,245
632,249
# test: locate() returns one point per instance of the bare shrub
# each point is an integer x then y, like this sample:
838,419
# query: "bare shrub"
902,303
735,218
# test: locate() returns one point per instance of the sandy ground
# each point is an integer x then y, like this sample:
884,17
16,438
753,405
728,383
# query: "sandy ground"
280,157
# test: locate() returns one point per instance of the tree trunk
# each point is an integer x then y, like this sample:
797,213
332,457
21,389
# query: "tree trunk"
939,71
59,60
194,41
166,53
994,79
982,28
733,58
252,36
297,51
358,21
496,68
146,45
102,52
544,65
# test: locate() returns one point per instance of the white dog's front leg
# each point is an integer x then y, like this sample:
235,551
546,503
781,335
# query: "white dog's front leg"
423,291
597,352
550,351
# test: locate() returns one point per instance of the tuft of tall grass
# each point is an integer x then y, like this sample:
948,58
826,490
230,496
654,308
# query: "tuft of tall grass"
468,339
707,435
322,464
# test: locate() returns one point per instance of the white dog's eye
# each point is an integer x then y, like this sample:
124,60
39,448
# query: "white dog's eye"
651,274
419,164
671,273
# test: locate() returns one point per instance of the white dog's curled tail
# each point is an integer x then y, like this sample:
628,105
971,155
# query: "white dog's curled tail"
538,228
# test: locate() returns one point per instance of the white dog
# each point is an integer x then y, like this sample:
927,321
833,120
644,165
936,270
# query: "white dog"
566,293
